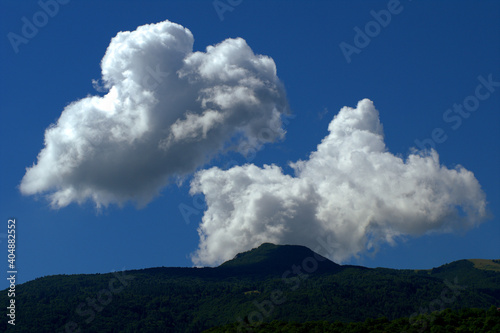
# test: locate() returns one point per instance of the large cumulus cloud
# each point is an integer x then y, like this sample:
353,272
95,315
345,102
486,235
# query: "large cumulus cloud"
351,192
167,110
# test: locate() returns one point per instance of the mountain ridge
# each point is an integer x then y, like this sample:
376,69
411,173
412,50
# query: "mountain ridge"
269,254
272,258
278,282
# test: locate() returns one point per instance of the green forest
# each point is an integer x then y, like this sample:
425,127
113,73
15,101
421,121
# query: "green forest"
269,289
464,321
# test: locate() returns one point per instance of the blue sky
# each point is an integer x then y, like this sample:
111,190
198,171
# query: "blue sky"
427,58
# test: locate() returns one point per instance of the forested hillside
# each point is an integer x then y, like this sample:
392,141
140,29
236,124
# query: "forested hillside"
465,320
284,283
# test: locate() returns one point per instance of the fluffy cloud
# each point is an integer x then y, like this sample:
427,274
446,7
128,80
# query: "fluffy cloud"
351,193
166,112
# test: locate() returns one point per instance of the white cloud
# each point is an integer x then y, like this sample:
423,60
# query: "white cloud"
167,111
351,191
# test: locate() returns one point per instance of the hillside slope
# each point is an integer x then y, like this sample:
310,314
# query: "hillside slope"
272,282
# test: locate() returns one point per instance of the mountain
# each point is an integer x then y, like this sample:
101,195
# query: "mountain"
277,259
272,282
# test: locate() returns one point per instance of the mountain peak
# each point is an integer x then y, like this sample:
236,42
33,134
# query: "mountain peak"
277,259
